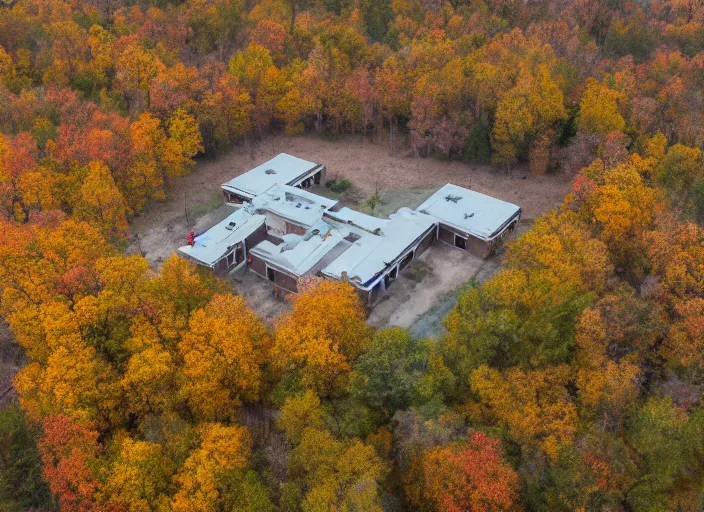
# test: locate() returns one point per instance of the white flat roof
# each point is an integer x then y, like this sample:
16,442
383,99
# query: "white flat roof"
283,169
368,256
355,218
471,212
293,204
299,253
214,244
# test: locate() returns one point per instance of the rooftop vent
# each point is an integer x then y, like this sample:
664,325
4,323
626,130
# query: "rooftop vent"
231,225
451,198
270,171
311,234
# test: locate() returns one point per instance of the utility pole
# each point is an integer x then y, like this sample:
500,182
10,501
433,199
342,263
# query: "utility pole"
185,208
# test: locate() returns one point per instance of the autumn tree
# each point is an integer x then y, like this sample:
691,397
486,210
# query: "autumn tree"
599,109
271,36
332,475
607,385
201,482
182,144
145,180
46,266
392,91
299,413
69,450
620,209
102,203
149,381
535,406
322,336
177,87
527,110
225,114
223,354
135,69
468,476
68,42
170,298
25,187
681,172
139,478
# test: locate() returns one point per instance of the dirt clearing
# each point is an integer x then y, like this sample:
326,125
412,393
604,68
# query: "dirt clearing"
381,184
435,275
398,180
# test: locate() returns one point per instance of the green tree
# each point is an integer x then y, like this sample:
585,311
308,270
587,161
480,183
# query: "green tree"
397,372
668,446
21,484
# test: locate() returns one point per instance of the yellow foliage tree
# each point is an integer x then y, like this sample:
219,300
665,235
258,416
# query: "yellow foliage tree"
605,386
323,334
534,405
183,143
530,108
599,110
149,381
335,475
170,298
223,353
138,480
145,180
101,203
298,413
222,450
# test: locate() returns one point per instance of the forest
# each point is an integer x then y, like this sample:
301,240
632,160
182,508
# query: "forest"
571,380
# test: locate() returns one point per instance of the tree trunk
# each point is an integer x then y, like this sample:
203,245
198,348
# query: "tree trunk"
391,136
293,14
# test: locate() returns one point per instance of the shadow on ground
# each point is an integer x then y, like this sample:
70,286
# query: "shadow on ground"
427,290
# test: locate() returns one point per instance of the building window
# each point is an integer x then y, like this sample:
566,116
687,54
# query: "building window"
460,242
406,260
239,254
374,294
234,199
270,274
231,259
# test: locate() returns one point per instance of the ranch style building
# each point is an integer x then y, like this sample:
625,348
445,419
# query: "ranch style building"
283,232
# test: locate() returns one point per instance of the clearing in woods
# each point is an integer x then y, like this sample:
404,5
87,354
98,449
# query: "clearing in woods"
381,183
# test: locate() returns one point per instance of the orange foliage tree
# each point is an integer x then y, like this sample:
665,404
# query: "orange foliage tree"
322,335
468,476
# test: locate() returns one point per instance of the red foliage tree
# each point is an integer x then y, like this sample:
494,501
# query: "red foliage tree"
470,477
69,448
